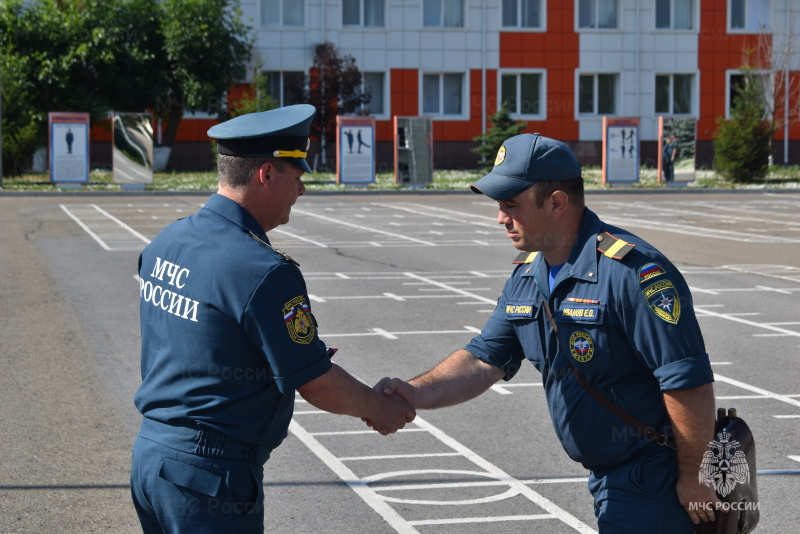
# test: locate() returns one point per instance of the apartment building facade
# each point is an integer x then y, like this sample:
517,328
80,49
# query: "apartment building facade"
561,65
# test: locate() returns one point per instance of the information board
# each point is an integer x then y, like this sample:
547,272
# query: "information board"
68,143
355,150
620,150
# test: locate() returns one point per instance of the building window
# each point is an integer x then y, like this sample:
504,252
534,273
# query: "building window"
522,93
442,94
443,13
596,14
286,87
674,94
522,13
737,80
674,14
373,82
282,12
597,94
749,15
366,13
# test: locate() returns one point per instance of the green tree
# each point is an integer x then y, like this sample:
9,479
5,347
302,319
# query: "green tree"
207,47
743,144
334,88
502,127
96,56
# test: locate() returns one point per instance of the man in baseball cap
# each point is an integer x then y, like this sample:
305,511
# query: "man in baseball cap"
609,323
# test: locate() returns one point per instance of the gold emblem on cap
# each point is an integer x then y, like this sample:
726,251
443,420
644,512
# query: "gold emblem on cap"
501,156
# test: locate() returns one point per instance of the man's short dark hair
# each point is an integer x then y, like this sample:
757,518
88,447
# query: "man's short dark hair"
573,188
236,172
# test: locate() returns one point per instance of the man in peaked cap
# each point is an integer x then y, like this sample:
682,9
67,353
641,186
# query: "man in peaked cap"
609,323
228,336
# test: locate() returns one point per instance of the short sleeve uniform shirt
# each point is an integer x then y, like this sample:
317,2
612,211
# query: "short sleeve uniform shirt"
227,329
626,323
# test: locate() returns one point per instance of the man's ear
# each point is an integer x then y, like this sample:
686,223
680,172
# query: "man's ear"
264,173
559,201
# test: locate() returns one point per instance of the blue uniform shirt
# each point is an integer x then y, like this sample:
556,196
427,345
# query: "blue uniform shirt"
227,329
627,324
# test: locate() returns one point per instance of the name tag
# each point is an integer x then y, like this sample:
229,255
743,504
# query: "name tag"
584,314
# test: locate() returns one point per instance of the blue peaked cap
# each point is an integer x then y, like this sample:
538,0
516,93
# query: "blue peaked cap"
524,160
281,133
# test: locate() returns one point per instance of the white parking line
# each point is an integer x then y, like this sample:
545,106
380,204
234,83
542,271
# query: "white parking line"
365,228
374,497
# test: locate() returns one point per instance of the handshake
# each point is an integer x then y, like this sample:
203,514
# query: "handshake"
394,406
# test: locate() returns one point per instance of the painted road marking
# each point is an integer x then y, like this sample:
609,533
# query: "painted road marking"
373,494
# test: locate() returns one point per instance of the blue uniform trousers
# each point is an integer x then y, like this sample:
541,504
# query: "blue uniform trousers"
210,490
639,496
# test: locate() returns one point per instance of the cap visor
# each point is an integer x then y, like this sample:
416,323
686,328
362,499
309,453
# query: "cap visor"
300,164
499,186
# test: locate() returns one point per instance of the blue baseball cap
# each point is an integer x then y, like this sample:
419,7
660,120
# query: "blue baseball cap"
280,133
524,160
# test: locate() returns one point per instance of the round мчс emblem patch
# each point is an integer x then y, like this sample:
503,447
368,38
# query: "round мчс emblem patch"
581,346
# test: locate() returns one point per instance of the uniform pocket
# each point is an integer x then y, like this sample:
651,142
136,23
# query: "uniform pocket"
655,475
190,477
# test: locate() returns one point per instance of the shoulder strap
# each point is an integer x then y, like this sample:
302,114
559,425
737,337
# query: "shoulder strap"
645,430
525,257
613,247
273,249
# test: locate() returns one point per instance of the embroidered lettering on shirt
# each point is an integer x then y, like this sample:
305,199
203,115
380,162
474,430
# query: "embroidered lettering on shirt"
519,310
165,298
586,313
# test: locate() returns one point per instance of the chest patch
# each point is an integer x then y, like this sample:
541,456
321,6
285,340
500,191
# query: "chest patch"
580,313
297,316
581,346
664,301
650,271
519,310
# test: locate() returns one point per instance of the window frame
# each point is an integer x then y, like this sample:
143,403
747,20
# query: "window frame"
692,94
595,95
361,16
280,98
441,116
542,115
385,114
542,27
746,29
441,25
596,3
728,86
672,28
281,24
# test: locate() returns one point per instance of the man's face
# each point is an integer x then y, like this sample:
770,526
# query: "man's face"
286,187
528,227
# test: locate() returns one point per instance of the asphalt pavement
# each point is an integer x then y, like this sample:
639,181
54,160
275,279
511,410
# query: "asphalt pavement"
397,282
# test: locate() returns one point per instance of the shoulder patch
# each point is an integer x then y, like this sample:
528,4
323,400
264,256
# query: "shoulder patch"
297,316
663,300
649,271
525,257
612,247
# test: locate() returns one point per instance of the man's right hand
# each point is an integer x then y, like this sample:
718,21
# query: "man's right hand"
391,403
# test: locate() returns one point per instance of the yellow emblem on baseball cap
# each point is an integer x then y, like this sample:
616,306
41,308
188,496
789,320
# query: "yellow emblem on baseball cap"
501,156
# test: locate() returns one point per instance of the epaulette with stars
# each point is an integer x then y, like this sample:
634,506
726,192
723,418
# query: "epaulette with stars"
613,247
273,249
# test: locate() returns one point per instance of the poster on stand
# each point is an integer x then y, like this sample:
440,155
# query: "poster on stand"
68,143
620,150
355,150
